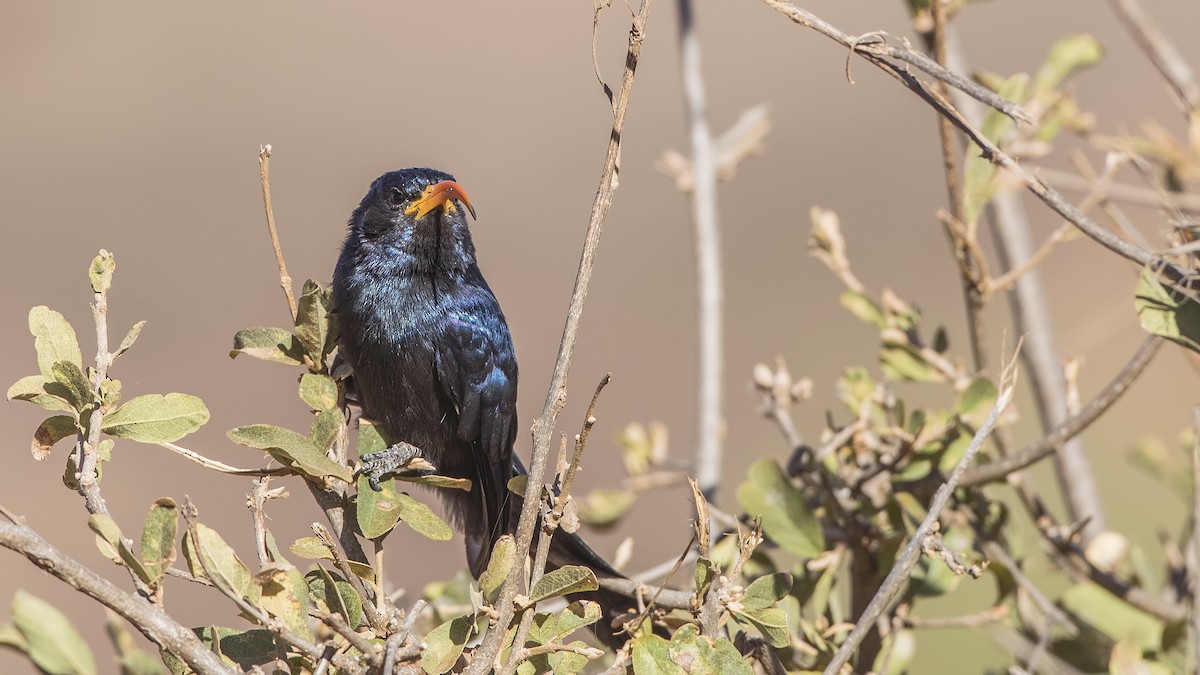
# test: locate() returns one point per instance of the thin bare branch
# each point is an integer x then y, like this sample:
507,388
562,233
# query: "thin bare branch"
543,428
874,48
974,296
551,519
221,466
1121,192
376,604
264,173
88,479
706,229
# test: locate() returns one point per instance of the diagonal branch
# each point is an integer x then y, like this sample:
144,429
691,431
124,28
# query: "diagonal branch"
543,428
148,619
999,469
873,48
1051,198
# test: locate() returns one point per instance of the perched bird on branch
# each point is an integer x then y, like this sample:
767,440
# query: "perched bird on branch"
433,360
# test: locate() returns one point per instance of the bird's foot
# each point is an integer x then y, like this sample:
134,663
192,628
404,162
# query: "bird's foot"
392,460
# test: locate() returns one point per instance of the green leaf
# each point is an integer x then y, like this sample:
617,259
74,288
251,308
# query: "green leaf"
421,518
54,340
706,572
51,431
562,581
652,656
285,597
864,308
903,361
504,555
1112,616
767,590
444,644
319,391
269,344
1166,312
434,480
771,622
52,641
130,338
976,399
32,388
311,548
290,448
603,507
110,395
158,537
979,176
855,387
314,320
74,385
244,648
325,429
334,594
11,637
101,272
786,518
548,627
377,512
211,558
700,655
154,418
1066,57
112,545
687,652
370,440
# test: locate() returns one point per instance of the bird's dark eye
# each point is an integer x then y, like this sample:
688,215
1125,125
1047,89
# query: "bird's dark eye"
397,196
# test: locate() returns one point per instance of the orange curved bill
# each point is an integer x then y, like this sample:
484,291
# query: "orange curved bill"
440,194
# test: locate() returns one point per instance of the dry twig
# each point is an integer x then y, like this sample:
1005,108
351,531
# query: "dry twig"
264,173
543,428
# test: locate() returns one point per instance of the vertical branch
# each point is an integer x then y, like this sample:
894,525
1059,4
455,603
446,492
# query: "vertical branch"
968,264
89,486
1015,245
706,226
484,656
264,174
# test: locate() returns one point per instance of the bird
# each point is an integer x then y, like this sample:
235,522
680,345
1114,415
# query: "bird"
432,361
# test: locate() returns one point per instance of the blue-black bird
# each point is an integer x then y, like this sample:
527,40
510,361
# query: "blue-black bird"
433,360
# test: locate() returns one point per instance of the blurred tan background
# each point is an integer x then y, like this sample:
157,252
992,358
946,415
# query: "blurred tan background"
136,128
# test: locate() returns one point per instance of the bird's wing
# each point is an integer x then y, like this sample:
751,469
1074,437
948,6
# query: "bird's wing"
478,372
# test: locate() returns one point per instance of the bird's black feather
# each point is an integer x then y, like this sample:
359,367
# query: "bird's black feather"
433,360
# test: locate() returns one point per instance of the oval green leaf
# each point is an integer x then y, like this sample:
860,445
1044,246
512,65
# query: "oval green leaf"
155,418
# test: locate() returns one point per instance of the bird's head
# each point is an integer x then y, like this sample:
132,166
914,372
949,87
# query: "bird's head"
418,215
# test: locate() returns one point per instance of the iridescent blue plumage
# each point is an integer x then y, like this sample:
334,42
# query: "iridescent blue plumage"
432,355
433,360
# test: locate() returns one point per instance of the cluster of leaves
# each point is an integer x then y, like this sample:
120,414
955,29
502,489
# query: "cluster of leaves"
65,385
